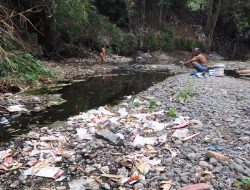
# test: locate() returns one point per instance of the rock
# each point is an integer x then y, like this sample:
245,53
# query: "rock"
218,170
200,186
213,161
14,184
109,136
138,186
191,156
238,168
204,164
216,155
247,163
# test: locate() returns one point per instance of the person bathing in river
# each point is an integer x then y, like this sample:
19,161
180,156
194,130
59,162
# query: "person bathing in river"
102,54
198,61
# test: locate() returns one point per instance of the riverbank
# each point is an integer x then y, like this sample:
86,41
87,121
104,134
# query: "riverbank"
112,140
36,98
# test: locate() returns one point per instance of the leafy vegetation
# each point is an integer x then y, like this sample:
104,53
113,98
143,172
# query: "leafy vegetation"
22,67
244,184
172,112
153,103
187,91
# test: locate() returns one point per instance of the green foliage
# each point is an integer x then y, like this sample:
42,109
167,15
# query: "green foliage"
187,92
195,4
126,44
166,40
72,17
153,103
172,112
188,44
150,41
244,184
22,67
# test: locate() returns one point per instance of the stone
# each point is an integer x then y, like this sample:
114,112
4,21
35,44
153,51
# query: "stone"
200,186
138,186
204,164
213,161
218,170
109,137
191,156
238,168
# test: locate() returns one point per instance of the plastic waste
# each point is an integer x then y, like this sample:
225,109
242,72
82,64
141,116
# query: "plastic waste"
83,134
180,133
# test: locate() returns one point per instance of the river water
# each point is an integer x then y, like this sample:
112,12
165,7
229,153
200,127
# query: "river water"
82,96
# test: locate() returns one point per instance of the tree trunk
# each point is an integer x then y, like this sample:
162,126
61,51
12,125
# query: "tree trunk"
211,22
160,16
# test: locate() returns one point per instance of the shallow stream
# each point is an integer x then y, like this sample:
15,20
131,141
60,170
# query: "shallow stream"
85,95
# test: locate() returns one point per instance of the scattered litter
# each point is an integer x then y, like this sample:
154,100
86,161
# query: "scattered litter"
190,137
156,126
180,133
48,172
180,120
182,125
166,185
4,121
200,186
139,140
83,134
217,155
17,108
84,183
205,176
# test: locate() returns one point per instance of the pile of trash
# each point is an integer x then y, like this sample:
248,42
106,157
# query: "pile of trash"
109,147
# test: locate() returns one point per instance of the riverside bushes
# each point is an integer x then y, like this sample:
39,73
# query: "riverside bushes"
21,67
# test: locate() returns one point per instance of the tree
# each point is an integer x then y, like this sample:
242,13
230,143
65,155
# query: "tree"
212,17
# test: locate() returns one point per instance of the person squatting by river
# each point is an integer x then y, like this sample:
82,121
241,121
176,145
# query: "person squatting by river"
198,61
102,54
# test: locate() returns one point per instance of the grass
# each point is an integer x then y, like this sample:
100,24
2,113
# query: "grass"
153,103
22,68
187,91
172,112
185,94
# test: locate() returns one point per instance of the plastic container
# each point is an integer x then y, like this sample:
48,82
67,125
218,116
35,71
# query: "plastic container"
211,72
219,70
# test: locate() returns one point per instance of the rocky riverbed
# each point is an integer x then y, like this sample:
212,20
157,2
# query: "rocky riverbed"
180,132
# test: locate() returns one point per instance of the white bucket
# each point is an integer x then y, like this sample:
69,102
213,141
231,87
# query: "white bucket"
219,70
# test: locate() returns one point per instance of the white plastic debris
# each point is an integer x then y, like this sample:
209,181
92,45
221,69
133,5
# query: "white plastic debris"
180,120
156,126
104,111
123,112
17,108
180,133
83,183
83,134
139,140
48,172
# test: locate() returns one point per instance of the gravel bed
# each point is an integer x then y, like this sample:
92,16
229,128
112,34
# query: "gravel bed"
103,141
